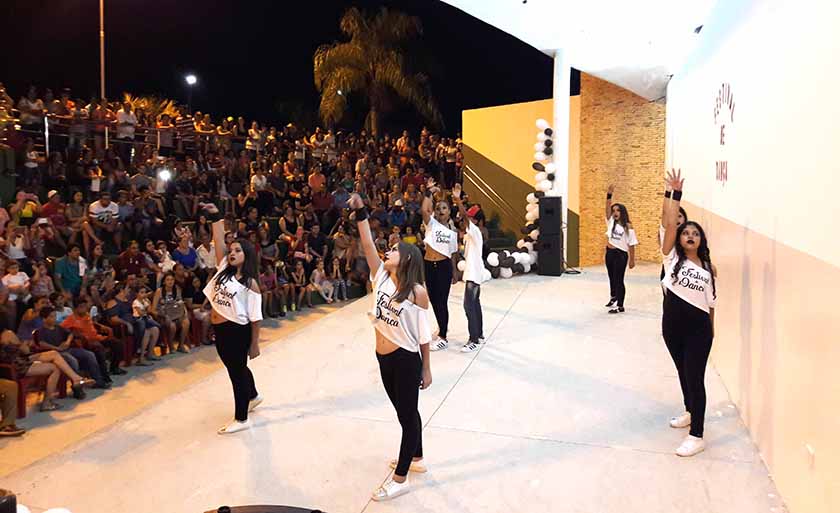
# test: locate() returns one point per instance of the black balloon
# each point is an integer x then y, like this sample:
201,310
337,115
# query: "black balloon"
518,268
525,230
548,132
539,194
539,167
550,176
548,151
528,238
548,143
494,272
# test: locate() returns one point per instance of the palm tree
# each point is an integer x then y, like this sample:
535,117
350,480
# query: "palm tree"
372,64
153,106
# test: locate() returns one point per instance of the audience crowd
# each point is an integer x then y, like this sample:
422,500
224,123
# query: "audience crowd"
106,246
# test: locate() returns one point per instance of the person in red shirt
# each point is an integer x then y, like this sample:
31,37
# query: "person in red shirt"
95,337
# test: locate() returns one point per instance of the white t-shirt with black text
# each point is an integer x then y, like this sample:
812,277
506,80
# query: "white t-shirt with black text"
405,324
440,238
102,213
693,284
619,237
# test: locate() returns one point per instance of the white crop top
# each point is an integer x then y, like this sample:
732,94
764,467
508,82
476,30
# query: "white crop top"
440,238
405,324
619,237
694,284
232,300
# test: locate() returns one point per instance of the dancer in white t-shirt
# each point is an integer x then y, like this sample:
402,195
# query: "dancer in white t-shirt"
473,270
440,242
401,320
621,243
688,314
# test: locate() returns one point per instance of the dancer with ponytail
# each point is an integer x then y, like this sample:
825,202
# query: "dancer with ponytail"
688,314
621,243
403,333
234,295
441,242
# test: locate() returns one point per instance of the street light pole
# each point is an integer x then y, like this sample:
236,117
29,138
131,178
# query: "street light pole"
102,47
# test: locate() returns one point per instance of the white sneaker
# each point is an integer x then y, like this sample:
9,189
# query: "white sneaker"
390,490
416,466
234,426
253,403
681,421
691,446
438,344
469,347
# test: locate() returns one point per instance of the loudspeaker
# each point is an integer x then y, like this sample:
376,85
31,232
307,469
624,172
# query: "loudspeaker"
551,215
550,254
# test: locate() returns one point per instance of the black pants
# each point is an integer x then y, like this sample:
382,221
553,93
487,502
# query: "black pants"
438,283
472,307
687,331
401,374
232,342
616,261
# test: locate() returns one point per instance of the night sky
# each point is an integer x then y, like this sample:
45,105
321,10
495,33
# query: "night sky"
251,56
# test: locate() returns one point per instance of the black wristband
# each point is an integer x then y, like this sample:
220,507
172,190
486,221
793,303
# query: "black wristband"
677,195
361,214
609,195
667,194
429,193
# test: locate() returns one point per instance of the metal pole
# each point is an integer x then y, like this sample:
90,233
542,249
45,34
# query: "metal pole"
102,47
189,99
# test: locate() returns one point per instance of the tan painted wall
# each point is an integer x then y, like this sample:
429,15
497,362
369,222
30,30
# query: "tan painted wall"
622,141
770,227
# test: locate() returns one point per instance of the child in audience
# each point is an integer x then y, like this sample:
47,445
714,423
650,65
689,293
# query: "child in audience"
339,280
321,282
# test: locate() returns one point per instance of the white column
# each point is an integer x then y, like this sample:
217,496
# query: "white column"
560,125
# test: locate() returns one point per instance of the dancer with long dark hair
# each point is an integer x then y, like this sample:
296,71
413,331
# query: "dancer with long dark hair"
688,314
234,295
403,333
621,243
440,242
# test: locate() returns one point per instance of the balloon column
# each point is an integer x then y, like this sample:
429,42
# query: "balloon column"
506,263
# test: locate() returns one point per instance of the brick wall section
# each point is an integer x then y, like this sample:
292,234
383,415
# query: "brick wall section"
622,141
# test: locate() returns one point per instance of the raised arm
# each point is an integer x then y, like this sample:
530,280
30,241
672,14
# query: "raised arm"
355,202
666,199
427,208
219,240
608,211
669,219
456,198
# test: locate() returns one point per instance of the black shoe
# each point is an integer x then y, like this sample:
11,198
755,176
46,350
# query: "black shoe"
118,372
105,385
620,309
78,392
611,303
282,313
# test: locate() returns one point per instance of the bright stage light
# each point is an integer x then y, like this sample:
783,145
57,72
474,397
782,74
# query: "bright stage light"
191,79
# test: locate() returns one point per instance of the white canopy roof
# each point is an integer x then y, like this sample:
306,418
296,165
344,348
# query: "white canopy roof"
636,44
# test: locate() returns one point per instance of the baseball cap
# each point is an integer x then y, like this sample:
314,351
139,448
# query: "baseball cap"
51,193
42,220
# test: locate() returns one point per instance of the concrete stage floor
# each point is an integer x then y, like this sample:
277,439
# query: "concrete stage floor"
565,409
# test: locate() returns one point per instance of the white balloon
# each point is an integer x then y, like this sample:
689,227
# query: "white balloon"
550,167
517,258
541,136
546,185
505,253
462,265
540,156
527,268
542,124
493,259
535,234
530,198
539,146
534,258
58,510
505,272
526,259
541,176
531,207
485,275
520,243
530,246
22,509
530,216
